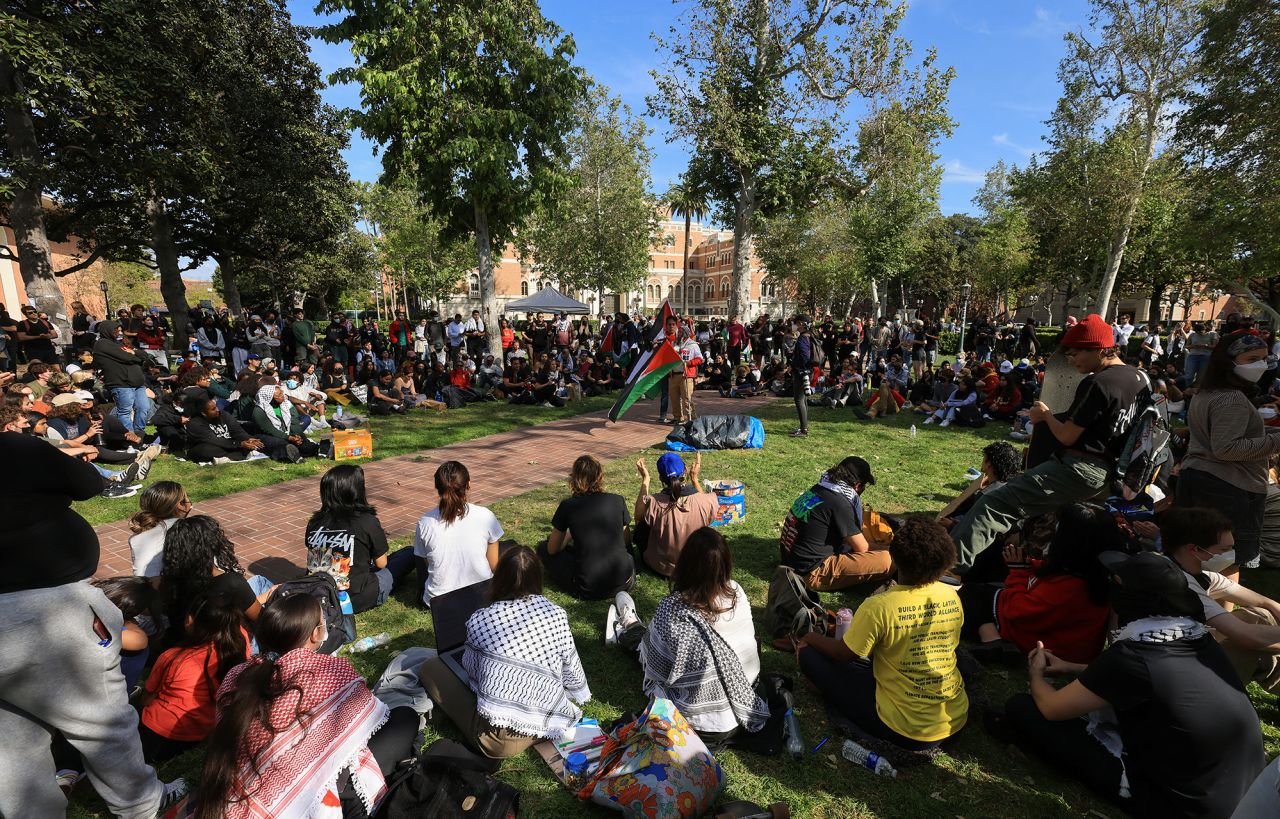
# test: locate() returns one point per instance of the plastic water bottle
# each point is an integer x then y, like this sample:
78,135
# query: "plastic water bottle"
337,413
844,617
365,643
870,760
791,728
913,430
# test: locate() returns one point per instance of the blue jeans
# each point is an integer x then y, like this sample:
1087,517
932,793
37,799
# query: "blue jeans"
1194,365
133,408
399,564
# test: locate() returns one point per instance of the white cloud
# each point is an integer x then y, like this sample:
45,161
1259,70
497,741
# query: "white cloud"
1047,24
956,171
1004,141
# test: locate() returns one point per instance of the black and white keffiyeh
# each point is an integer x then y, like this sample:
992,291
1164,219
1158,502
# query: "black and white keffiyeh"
686,661
523,662
1159,630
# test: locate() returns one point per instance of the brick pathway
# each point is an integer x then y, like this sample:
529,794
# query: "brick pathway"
267,524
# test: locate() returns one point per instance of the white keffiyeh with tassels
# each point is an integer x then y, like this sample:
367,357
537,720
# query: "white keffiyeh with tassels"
282,421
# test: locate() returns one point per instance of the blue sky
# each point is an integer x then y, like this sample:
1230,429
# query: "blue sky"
1005,53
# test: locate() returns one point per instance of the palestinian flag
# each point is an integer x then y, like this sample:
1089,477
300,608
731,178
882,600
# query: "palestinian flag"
606,343
658,330
649,371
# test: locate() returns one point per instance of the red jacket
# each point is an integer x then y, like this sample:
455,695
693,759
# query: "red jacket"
1055,610
998,403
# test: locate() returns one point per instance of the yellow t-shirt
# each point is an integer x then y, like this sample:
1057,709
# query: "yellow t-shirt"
911,634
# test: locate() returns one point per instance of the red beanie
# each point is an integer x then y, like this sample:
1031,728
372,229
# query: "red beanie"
1093,333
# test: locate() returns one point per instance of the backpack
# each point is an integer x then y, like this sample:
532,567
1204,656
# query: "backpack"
342,627
447,782
1146,449
817,355
792,608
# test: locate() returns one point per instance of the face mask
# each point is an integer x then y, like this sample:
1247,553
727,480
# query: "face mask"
291,384
324,633
1252,371
1216,563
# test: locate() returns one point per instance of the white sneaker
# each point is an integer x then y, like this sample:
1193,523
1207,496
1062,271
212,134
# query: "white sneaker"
222,459
611,626
173,791
256,455
946,422
627,616
1019,436
930,420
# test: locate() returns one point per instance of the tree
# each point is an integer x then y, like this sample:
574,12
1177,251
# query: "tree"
755,86
597,234
1002,253
944,258
687,198
1143,62
473,100
1230,131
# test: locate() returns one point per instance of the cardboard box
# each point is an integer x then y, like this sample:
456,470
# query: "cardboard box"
350,444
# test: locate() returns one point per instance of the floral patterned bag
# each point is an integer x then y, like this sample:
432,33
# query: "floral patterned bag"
656,766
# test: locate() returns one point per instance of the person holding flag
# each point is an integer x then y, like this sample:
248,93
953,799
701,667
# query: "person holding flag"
681,380
653,367
667,334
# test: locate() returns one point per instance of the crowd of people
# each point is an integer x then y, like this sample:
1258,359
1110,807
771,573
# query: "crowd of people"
1045,558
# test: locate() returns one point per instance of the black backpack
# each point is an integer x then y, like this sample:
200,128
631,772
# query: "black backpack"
792,608
1146,447
817,353
342,627
448,782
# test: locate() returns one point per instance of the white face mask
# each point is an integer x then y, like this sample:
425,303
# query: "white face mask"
1252,371
1217,563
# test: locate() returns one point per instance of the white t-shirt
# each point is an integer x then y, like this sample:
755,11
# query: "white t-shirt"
456,553
1219,586
739,632
148,549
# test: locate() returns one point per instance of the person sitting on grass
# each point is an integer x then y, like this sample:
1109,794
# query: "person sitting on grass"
588,552
383,397
888,401
134,596
161,505
664,520
943,388
278,421
1007,400
403,383
345,540
1159,723
178,713
822,538
455,544
700,650
525,680
214,436
893,674
299,733
963,401
746,382
1000,462
1058,599
199,560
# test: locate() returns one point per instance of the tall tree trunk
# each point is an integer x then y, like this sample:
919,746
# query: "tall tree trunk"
1115,253
744,219
488,298
875,300
230,288
684,278
1153,310
25,211
172,288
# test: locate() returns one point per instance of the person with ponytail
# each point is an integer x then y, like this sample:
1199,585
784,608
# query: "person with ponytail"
178,712
664,520
291,723
160,506
456,544
1226,463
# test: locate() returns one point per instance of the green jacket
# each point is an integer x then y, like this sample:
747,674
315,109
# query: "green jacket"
304,331
267,428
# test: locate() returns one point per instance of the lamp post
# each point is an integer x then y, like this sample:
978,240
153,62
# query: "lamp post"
106,304
964,316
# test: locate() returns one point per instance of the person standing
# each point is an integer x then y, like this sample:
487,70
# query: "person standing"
801,367
737,340
456,331
1123,329
1087,438
1200,344
36,335
122,377
305,350
477,336
1226,463
401,331
82,334
682,378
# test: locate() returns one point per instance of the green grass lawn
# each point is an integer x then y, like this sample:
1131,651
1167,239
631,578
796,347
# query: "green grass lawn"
977,777
392,435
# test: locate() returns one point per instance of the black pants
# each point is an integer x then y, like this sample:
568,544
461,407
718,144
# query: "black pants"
156,748
562,568
735,356
205,453
1066,746
851,689
979,603
799,383
390,744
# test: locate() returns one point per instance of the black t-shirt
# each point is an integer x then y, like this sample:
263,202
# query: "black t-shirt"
1192,743
346,550
516,375
816,527
234,589
595,522
1105,405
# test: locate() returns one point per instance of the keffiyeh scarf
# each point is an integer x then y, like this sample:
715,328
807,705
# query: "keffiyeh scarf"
298,766
686,661
283,421
1159,630
846,491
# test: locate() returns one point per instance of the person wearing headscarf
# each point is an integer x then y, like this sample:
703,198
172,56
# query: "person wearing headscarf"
280,427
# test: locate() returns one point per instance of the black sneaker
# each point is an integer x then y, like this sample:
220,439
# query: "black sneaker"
118,490
130,476
800,433
292,454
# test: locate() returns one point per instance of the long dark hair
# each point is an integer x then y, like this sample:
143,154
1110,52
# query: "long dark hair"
703,571
1085,530
158,502
283,626
193,546
1219,371
342,496
452,482
517,575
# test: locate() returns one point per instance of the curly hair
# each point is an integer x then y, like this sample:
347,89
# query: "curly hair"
193,547
1004,459
922,551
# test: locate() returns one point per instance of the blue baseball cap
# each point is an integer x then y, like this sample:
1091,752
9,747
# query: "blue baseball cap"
670,465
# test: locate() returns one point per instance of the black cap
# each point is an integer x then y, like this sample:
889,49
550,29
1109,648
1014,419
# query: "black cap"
856,469
1151,584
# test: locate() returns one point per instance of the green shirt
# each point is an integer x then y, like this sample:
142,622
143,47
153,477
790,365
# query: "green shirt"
304,332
